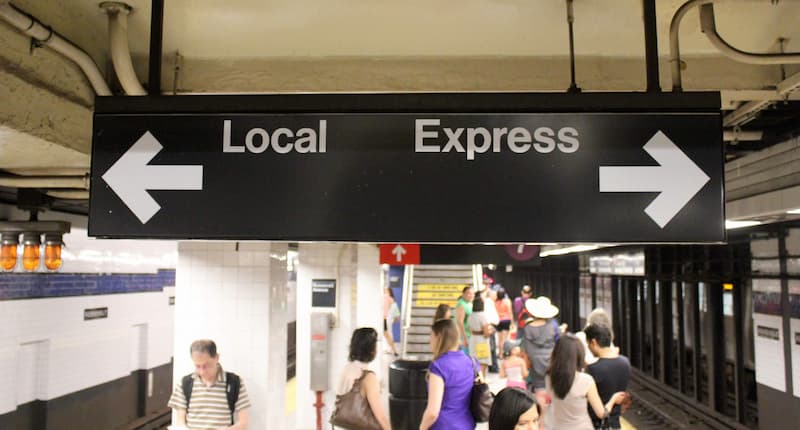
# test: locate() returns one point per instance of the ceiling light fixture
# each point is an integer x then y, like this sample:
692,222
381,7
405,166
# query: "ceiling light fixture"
31,233
731,224
568,250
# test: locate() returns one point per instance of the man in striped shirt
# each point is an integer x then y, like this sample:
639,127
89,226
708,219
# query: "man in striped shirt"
208,407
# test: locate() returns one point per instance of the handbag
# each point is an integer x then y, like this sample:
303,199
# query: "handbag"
352,411
481,399
482,350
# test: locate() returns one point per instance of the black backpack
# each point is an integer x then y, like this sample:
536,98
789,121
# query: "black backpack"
231,390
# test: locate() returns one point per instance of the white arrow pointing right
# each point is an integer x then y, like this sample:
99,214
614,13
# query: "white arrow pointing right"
677,178
399,252
130,177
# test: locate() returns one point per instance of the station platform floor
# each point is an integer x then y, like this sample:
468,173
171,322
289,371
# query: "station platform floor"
495,383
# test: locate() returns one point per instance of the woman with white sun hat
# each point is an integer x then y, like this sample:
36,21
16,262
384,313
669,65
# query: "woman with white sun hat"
538,338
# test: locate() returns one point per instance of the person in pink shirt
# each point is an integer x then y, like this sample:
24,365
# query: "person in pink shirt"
513,367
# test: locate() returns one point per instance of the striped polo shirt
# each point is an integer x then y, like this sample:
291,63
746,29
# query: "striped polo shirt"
209,405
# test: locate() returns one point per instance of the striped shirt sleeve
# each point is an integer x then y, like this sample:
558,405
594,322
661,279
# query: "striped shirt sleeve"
244,400
178,399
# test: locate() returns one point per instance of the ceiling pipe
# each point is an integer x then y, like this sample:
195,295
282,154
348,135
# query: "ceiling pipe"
120,51
81,182
47,37
708,26
748,111
736,135
69,194
674,46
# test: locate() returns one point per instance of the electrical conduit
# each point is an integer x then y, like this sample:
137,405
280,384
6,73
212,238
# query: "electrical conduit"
120,51
47,37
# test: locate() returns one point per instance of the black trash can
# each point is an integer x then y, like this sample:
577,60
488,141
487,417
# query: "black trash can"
408,393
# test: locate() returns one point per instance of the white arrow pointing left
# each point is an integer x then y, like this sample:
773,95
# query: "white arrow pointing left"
130,177
677,178
399,252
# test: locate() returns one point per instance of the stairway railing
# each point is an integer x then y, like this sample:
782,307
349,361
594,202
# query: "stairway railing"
405,313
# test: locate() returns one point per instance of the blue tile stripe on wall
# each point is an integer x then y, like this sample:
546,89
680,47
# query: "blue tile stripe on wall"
41,285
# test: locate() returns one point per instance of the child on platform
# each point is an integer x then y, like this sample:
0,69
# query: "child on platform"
513,367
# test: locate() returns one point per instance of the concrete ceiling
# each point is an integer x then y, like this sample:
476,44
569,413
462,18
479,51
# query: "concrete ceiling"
291,28
364,45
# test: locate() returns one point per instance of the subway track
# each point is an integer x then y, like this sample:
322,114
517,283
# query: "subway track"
658,407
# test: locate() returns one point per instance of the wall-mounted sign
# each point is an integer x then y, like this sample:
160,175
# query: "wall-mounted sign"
399,254
95,313
768,332
618,263
172,300
431,168
323,293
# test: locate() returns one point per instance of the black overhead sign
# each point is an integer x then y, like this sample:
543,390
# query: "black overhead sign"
609,167
511,254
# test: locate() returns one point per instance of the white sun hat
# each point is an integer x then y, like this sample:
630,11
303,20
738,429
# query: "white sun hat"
541,307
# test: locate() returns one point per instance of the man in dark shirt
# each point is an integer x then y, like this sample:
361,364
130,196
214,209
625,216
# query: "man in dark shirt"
611,372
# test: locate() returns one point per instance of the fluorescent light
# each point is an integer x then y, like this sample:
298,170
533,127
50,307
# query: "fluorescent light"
730,225
794,211
568,250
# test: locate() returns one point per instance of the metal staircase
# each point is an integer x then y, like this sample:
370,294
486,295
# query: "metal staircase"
424,288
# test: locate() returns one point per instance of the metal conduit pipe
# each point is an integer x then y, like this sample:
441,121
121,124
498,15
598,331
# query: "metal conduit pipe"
69,194
81,182
709,27
735,135
747,112
674,46
47,37
120,51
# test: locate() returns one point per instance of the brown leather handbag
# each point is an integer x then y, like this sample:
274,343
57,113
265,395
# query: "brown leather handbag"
352,411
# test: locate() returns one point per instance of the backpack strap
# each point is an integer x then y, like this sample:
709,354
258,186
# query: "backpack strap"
186,384
233,382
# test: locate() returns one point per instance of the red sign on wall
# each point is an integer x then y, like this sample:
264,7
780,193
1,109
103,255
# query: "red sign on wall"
399,253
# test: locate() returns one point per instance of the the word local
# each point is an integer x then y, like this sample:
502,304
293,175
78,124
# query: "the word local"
480,140
282,140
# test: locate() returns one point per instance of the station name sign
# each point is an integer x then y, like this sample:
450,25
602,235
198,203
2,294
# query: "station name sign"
437,168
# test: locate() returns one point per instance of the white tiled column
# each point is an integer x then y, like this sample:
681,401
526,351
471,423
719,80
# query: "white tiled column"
237,297
359,301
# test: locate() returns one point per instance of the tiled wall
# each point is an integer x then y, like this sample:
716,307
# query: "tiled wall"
39,285
72,354
360,300
48,350
235,294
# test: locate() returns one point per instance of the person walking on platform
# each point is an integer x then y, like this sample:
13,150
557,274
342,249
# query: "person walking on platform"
450,380
489,296
520,313
443,311
391,314
514,367
514,409
480,331
503,306
570,390
210,398
598,316
611,372
463,311
357,376
538,338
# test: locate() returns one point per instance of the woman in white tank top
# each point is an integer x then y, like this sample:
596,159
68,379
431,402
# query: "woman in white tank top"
570,389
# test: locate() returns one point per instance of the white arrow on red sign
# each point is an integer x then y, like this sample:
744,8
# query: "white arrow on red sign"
399,252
